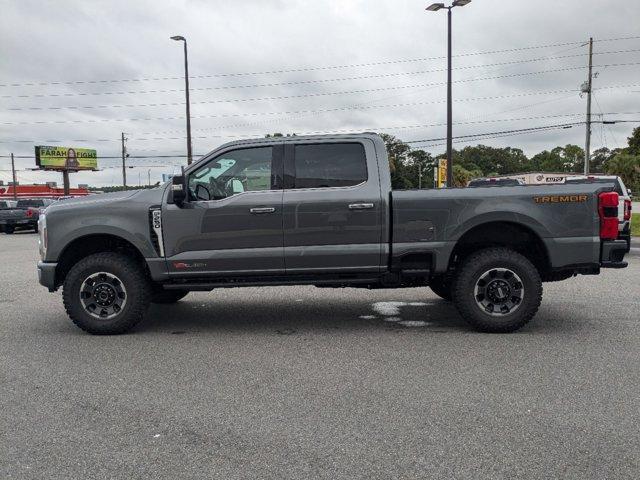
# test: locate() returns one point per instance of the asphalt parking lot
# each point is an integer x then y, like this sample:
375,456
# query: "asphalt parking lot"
299,382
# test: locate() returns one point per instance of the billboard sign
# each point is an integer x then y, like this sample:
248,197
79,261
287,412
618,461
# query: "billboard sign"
66,158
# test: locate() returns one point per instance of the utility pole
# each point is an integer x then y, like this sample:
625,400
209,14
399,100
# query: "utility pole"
149,176
124,166
65,182
589,85
15,182
419,175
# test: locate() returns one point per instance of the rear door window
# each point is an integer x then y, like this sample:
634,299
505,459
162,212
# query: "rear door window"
327,165
30,203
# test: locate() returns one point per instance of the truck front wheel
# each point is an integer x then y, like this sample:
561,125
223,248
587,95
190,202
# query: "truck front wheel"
106,293
497,290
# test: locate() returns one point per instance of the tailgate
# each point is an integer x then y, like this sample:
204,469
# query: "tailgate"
13,214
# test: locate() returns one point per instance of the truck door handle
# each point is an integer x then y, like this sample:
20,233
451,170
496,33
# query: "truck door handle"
259,210
360,206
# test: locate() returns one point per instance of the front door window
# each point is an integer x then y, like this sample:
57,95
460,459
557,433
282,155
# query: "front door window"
234,172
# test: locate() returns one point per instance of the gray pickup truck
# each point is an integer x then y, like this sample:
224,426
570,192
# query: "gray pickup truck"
24,216
320,211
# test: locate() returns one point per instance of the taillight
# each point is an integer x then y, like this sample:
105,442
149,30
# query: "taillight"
608,211
627,209
29,213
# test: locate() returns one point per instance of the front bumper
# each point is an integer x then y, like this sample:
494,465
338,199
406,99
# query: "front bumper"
612,254
47,275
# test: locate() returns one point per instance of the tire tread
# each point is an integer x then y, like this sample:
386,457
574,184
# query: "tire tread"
138,304
468,309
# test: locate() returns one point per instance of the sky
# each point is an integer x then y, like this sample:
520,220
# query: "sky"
78,73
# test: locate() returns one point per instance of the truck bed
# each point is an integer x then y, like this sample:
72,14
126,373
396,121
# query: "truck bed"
564,217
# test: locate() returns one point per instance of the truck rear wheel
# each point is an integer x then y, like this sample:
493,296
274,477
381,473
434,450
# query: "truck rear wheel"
497,290
106,293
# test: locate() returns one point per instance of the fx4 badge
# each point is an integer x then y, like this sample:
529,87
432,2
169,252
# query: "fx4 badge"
183,265
561,199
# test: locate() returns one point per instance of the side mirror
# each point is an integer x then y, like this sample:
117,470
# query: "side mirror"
178,190
236,186
202,193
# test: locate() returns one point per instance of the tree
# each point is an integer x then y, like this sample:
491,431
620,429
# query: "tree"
462,176
599,159
398,153
421,168
634,142
569,158
490,159
546,161
278,135
627,167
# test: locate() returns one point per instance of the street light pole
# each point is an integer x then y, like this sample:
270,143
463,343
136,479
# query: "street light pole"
186,85
434,8
449,106
589,85
15,181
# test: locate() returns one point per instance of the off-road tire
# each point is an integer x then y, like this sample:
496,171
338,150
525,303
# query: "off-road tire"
472,269
132,276
167,296
441,286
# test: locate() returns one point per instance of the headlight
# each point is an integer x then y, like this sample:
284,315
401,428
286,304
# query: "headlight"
43,238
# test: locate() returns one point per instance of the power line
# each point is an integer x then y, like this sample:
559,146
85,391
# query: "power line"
530,129
429,142
378,128
305,82
311,69
479,138
469,99
467,80
509,132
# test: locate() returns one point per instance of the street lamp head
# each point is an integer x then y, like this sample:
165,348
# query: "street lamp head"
179,38
461,3
435,7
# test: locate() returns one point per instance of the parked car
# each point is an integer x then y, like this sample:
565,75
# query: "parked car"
7,204
319,210
495,182
624,205
24,216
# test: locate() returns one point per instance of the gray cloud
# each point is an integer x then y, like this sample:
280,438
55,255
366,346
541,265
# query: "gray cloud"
119,40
